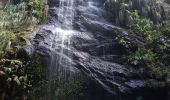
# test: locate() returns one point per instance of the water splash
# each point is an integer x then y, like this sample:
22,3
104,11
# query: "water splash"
61,69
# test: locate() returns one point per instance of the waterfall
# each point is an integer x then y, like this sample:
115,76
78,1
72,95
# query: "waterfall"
74,41
66,13
60,69
63,32
80,44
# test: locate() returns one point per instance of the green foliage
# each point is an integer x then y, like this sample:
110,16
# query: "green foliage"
72,89
13,78
153,52
37,79
15,27
153,48
149,33
35,9
58,87
121,40
159,73
144,28
166,26
141,55
17,22
120,10
12,16
151,83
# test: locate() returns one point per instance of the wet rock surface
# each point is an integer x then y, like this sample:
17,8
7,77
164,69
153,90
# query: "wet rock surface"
93,49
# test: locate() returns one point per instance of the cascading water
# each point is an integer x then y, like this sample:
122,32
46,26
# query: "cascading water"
60,69
77,39
66,13
65,41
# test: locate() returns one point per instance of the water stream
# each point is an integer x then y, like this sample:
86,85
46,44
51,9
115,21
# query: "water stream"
74,41
61,71
82,55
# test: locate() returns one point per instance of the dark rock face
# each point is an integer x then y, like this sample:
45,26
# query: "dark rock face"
94,51
167,1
